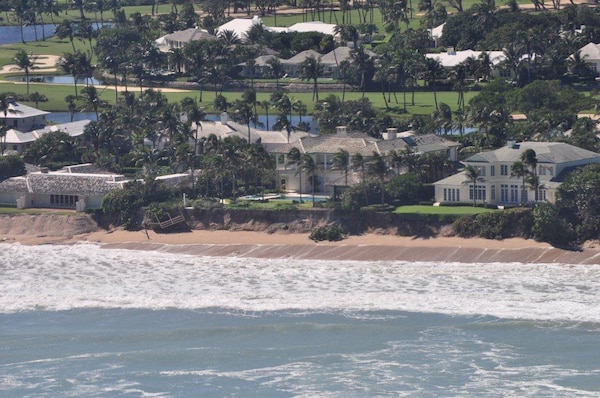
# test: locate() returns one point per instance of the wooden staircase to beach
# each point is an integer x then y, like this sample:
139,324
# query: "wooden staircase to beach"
166,224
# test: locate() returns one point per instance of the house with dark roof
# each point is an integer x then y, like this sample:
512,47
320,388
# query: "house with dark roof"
497,183
324,147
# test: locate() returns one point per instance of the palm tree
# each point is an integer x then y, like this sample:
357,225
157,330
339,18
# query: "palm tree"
310,167
473,177
24,61
518,169
341,161
359,163
432,71
294,157
459,77
4,104
377,167
91,99
311,69
244,113
66,30
229,37
276,68
265,104
196,115
529,158
70,100
364,65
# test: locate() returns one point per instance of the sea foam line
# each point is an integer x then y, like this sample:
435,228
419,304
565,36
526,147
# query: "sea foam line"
86,276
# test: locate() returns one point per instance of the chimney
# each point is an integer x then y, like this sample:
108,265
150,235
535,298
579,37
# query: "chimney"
391,133
341,130
450,51
224,118
511,144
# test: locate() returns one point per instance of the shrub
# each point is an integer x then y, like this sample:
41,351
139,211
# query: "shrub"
549,227
332,233
466,226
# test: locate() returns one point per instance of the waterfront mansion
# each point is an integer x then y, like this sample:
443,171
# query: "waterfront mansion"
499,185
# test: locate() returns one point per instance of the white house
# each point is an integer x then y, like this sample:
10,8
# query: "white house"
451,58
239,26
590,53
180,38
25,124
22,117
74,187
225,127
498,186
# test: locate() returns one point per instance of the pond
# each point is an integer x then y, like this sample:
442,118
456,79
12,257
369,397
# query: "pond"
65,117
262,119
59,79
12,34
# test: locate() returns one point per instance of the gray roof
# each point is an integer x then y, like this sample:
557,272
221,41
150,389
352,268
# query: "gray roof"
301,57
262,60
81,179
340,54
74,129
355,142
72,184
454,180
14,184
189,35
19,111
546,152
331,143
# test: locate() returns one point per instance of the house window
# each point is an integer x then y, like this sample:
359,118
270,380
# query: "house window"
65,201
451,195
503,169
506,73
503,193
492,171
477,192
493,192
542,170
480,170
542,194
514,193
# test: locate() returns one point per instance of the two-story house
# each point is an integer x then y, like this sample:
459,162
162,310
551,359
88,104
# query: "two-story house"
498,184
323,149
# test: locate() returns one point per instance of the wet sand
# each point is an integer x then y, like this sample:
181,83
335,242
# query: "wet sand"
368,247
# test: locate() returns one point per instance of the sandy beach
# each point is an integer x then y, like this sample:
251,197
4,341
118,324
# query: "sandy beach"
367,247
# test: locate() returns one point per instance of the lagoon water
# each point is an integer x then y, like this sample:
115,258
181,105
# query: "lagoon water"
82,321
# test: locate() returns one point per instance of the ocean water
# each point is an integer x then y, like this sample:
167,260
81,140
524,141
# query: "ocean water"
82,321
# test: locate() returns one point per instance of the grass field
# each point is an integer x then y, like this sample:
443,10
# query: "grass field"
56,93
443,210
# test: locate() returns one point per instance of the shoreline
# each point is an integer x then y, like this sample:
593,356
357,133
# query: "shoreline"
367,247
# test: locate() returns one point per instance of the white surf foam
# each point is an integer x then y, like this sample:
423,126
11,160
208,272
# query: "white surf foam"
86,276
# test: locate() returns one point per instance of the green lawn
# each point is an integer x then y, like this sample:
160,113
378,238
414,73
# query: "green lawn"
445,210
